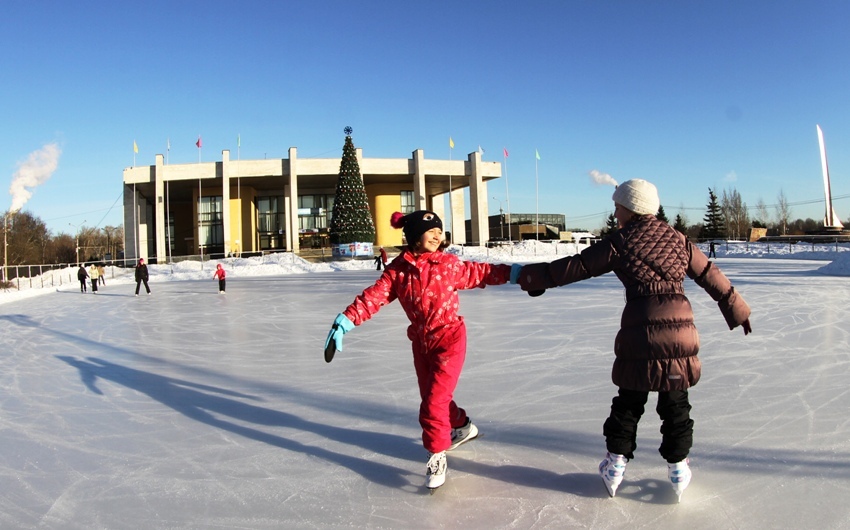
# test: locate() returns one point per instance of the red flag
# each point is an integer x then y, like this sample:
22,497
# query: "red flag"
506,151
199,143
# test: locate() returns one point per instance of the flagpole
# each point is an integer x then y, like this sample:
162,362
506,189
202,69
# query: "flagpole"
507,193
239,193
536,197
200,192
451,208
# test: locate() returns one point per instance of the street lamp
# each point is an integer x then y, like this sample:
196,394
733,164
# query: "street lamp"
77,240
501,219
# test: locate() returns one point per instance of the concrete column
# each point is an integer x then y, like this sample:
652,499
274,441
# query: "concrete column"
160,224
456,203
478,201
225,199
421,201
292,241
287,219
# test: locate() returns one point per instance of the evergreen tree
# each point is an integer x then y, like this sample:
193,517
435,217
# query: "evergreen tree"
661,215
351,219
715,224
680,224
610,225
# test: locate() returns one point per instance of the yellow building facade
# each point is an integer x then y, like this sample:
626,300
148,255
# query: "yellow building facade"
230,207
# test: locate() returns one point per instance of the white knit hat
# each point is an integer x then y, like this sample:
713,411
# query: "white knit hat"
637,195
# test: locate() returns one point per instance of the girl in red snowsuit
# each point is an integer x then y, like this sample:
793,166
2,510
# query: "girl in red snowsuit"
425,280
220,274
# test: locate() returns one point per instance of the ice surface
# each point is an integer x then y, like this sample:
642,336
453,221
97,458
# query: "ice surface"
190,409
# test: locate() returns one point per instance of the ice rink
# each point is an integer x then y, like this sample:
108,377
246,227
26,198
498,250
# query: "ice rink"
190,409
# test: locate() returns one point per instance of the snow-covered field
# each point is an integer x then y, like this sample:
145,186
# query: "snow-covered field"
190,409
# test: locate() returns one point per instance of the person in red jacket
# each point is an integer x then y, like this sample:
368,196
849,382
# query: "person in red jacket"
425,280
657,345
220,274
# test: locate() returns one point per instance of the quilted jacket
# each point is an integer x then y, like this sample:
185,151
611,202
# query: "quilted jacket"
656,347
426,286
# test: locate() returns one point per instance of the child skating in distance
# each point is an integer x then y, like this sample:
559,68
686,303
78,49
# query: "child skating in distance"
425,280
220,274
656,347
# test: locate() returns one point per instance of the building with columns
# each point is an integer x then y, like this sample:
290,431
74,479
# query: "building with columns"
234,206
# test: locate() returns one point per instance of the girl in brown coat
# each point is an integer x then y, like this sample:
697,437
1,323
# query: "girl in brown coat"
656,347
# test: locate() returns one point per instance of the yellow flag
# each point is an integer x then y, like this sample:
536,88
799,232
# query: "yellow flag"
451,143
135,147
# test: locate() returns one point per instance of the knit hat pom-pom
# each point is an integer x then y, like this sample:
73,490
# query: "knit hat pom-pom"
397,220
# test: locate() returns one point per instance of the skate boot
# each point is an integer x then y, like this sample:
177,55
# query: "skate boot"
680,476
435,474
612,469
464,434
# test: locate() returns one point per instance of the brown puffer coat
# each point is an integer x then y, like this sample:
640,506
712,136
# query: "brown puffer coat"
656,347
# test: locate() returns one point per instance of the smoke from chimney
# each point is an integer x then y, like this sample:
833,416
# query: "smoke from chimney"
38,167
602,178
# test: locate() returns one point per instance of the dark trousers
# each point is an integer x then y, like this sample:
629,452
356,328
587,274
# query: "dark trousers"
139,283
83,285
221,284
677,427
94,285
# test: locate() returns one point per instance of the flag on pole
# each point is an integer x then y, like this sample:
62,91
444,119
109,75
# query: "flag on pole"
505,149
168,144
537,154
480,150
135,147
199,143
238,140
451,143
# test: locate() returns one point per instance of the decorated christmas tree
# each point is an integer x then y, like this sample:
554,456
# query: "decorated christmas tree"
351,219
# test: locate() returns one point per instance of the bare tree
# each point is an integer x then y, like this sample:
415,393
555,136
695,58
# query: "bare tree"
783,212
27,238
735,213
761,213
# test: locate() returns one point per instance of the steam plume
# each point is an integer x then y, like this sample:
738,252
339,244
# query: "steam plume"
38,167
602,178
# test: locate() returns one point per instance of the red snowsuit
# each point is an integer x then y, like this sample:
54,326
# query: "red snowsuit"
426,287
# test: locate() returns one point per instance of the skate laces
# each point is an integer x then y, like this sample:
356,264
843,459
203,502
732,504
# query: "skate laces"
437,463
680,472
613,466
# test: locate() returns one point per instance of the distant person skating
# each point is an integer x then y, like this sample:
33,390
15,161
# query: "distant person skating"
656,347
142,276
426,280
93,274
82,275
220,274
381,260
711,253
101,274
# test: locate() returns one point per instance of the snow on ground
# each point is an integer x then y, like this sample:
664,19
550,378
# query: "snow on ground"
190,409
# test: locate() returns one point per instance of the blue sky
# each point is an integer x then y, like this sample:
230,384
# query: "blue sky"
688,95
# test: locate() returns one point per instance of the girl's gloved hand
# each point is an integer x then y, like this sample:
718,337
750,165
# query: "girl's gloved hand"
341,326
515,270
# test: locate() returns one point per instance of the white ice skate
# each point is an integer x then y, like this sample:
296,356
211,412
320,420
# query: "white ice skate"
612,469
464,434
435,474
680,476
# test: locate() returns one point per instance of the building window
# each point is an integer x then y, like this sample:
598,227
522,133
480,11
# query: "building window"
211,229
408,202
270,215
314,212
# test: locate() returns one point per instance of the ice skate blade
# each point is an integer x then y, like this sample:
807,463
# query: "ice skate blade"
612,490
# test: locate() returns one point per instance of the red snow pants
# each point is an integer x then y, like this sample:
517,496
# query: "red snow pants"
438,365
